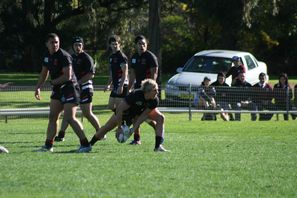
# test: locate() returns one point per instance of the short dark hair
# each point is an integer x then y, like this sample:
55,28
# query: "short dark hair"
114,38
138,38
50,36
262,74
221,74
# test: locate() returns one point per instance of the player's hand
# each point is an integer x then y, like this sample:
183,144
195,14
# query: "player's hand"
37,94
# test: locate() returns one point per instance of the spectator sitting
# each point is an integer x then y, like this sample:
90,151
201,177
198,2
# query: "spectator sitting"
262,97
282,94
205,98
242,97
236,69
221,97
294,115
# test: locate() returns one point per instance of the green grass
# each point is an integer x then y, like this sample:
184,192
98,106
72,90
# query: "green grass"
207,159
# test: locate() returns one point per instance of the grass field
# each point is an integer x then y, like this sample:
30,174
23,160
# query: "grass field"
207,159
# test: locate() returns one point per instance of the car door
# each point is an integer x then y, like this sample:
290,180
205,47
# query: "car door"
253,70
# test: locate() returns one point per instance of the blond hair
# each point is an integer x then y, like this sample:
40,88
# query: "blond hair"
148,85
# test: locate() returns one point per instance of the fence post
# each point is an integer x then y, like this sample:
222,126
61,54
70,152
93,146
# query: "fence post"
287,100
190,102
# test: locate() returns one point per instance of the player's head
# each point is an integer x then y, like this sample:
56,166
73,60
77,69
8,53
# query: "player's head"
52,42
150,88
114,43
141,43
77,44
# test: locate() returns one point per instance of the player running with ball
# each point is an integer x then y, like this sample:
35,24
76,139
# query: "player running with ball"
139,106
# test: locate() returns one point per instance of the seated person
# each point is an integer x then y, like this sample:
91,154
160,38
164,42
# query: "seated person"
205,98
242,96
262,97
282,94
221,88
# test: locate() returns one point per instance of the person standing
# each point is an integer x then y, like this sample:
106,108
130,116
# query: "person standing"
138,106
118,78
84,69
236,69
65,93
144,65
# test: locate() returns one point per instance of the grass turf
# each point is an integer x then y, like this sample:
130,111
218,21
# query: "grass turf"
207,159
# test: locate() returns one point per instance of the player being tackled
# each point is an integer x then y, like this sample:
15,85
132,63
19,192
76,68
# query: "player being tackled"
139,106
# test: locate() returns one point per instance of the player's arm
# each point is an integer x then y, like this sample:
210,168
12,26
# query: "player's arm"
131,78
66,76
154,73
109,82
143,116
42,78
119,111
86,77
124,67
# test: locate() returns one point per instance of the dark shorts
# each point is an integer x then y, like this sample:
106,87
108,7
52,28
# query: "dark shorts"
66,93
114,94
86,94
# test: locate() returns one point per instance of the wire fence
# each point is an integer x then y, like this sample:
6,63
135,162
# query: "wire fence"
211,102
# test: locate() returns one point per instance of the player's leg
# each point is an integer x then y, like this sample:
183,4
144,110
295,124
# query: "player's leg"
109,125
69,114
136,140
61,135
55,110
88,113
159,120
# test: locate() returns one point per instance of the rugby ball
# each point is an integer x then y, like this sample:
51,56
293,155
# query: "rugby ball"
123,134
3,149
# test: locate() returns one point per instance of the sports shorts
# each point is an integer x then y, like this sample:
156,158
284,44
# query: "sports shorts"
86,93
66,93
114,94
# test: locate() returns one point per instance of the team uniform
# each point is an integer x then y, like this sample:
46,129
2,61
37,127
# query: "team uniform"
82,65
116,60
142,65
67,92
137,104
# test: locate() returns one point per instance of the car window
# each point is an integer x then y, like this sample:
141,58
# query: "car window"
250,63
206,64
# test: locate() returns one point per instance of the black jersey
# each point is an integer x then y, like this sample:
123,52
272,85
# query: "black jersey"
82,64
138,104
115,61
142,65
56,62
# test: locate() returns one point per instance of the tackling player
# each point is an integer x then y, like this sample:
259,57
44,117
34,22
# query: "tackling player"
65,93
135,108
144,65
84,69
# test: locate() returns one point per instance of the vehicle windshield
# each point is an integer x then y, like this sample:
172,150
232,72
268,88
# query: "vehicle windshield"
207,64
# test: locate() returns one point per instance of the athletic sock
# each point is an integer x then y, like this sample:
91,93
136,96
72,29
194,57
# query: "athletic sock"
93,140
136,137
49,143
84,142
159,140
